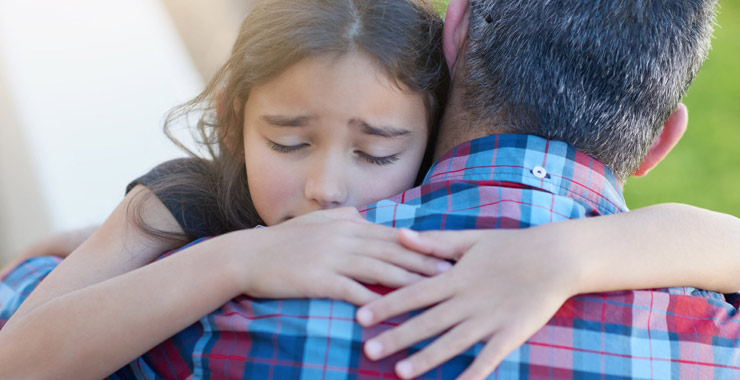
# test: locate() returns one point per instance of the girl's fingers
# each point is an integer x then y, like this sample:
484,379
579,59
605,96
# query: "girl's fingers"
500,345
377,232
428,324
419,295
457,340
413,240
442,244
345,289
393,253
342,213
372,271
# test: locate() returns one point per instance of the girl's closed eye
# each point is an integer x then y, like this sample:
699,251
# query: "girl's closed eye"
374,160
381,161
285,148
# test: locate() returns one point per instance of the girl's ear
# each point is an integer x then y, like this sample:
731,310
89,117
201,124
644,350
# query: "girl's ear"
237,105
229,133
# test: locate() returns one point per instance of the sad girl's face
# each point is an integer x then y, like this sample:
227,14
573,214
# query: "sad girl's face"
330,132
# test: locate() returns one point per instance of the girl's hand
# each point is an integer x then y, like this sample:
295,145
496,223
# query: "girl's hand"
330,254
60,245
503,289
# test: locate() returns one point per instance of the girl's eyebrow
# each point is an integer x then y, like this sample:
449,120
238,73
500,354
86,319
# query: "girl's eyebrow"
382,131
286,121
386,131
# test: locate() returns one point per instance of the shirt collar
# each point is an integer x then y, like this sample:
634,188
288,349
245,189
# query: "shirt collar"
534,162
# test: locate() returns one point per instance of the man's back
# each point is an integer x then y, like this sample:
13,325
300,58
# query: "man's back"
505,181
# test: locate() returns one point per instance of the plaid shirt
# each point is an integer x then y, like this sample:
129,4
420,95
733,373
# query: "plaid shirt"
506,181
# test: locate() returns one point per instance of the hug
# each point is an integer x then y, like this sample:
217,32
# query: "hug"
386,194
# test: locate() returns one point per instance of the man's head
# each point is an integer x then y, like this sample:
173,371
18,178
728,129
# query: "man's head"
605,76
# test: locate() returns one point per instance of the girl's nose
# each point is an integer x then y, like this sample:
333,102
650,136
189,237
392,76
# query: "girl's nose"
326,185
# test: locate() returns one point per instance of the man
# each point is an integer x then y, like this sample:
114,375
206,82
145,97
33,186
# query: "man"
597,83
604,78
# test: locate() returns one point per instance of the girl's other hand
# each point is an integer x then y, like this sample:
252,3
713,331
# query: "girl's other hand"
330,254
60,245
504,287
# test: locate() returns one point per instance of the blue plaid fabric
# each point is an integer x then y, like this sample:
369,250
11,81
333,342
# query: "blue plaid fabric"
18,284
506,181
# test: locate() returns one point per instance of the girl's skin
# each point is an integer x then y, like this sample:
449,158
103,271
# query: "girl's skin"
59,245
325,99
330,150
304,153
512,282
327,143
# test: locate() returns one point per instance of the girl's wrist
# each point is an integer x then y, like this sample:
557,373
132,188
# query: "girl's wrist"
589,264
570,262
237,249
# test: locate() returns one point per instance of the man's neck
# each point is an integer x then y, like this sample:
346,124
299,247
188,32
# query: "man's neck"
459,126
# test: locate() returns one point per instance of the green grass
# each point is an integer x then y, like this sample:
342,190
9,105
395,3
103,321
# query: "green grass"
441,6
704,168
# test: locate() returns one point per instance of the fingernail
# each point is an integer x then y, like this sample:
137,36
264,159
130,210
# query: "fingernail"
443,266
365,317
373,349
404,369
410,233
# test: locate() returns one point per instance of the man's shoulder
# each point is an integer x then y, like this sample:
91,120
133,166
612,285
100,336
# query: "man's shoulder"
504,181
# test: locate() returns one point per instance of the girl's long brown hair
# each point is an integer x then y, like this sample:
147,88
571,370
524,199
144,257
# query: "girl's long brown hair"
403,37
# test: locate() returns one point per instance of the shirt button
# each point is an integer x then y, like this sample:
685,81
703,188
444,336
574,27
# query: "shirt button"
539,172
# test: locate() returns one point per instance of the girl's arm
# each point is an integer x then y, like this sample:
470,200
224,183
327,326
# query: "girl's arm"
508,284
654,247
110,322
91,332
60,244
117,247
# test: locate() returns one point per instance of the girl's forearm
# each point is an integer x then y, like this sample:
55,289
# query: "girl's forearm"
111,323
117,247
657,246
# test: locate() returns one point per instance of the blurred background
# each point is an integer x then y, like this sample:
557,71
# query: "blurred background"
84,86
704,168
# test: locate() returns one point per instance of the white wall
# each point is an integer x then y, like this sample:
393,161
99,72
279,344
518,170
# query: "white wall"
84,85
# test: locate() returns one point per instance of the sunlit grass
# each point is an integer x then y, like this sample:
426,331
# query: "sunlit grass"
704,169
441,6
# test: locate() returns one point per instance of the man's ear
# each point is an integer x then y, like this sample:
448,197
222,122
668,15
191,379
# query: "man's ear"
672,132
457,19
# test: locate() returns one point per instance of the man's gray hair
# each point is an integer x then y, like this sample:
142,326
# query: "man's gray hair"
601,75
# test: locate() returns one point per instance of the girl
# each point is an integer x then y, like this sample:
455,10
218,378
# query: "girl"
316,124
322,105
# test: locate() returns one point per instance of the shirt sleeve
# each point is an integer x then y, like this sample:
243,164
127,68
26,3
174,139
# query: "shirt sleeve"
195,211
162,171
